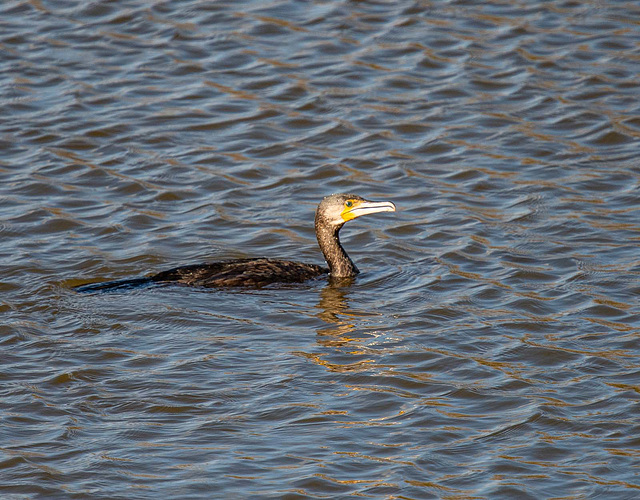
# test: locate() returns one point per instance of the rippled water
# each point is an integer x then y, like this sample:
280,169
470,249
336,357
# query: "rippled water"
490,347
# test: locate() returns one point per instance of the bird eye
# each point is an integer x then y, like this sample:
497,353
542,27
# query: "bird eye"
348,204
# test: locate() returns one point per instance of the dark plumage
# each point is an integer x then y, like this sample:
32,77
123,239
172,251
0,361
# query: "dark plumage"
331,214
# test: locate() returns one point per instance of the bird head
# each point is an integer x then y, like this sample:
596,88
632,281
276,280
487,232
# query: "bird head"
337,209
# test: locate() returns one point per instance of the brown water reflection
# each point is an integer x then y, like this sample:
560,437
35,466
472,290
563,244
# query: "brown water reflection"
488,349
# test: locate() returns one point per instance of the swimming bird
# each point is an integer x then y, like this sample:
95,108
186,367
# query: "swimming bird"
332,213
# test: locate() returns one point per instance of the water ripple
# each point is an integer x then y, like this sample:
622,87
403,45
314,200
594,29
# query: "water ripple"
487,350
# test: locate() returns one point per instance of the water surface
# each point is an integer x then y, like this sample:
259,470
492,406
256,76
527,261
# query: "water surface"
489,349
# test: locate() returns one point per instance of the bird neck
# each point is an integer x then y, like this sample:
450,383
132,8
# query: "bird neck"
340,265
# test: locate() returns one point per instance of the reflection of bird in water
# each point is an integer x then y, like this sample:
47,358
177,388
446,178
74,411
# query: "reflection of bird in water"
331,214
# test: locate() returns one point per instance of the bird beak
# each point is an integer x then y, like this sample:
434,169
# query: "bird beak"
367,207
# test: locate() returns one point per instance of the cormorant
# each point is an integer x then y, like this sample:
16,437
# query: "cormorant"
331,214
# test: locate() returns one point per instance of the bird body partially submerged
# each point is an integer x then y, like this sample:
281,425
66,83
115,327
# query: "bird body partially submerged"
241,272
331,214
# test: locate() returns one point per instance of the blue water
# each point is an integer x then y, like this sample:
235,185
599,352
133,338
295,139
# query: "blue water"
488,349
